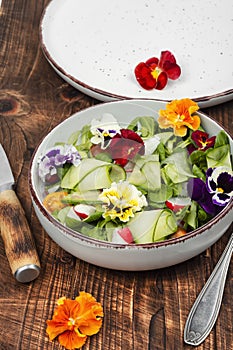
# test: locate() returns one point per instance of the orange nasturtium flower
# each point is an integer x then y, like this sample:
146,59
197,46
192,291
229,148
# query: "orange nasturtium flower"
179,116
74,320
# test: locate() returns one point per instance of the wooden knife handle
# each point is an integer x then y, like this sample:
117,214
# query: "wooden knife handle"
18,241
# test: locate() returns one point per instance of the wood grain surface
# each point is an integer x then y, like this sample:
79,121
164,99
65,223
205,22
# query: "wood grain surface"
143,310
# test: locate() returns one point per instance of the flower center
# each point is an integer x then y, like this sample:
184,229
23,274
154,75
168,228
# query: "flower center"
155,72
179,118
220,190
71,322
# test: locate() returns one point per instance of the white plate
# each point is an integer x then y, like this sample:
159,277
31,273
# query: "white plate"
95,46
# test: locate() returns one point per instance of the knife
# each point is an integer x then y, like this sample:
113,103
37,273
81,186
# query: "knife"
18,241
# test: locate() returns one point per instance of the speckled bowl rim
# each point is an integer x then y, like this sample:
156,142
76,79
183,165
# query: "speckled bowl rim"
135,246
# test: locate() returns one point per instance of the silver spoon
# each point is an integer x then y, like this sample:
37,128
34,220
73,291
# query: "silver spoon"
204,311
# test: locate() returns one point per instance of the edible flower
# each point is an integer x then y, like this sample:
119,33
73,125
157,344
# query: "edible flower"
198,192
104,129
216,192
219,182
202,140
74,320
154,73
55,158
179,116
121,201
125,146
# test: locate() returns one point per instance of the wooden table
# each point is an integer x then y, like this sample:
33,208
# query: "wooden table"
143,310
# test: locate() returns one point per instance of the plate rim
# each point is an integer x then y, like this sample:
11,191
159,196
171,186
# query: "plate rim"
204,101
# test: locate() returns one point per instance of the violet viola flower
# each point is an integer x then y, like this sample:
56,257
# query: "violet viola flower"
219,183
198,192
55,158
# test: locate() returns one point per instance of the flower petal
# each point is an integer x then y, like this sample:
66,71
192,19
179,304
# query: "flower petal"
219,183
199,137
122,200
125,146
196,189
91,312
198,192
72,340
144,76
225,181
168,64
166,56
74,320
172,69
202,140
221,199
152,62
155,72
161,81
178,115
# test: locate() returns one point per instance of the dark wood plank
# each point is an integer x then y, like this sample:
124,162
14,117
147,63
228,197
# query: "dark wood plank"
143,310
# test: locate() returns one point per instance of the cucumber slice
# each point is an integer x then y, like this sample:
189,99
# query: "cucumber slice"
146,173
165,225
92,174
75,174
96,179
117,173
137,178
143,224
151,171
151,226
88,197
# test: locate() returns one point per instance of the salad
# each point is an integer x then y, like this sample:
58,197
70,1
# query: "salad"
143,182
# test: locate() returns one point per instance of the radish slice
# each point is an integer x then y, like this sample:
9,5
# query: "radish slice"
123,235
84,210
177,203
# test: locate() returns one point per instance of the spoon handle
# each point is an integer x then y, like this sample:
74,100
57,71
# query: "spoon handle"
204,311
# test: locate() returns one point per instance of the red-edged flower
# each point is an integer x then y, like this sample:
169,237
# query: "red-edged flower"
202,140
154,73
124,146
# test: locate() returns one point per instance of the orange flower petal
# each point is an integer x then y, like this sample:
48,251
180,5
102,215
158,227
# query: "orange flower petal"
180,131
178,115
91,313
74,320
54,328
72,340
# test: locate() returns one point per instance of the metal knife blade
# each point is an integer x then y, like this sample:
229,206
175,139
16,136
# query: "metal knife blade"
17,237
6,176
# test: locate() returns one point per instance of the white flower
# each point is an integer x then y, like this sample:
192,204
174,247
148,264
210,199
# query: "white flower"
122,200
219,182
103,129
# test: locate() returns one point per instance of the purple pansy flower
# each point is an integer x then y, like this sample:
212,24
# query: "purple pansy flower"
198,192
219,183
215,193
55,158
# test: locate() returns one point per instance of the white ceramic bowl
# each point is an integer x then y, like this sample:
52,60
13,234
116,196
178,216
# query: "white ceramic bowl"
134,257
